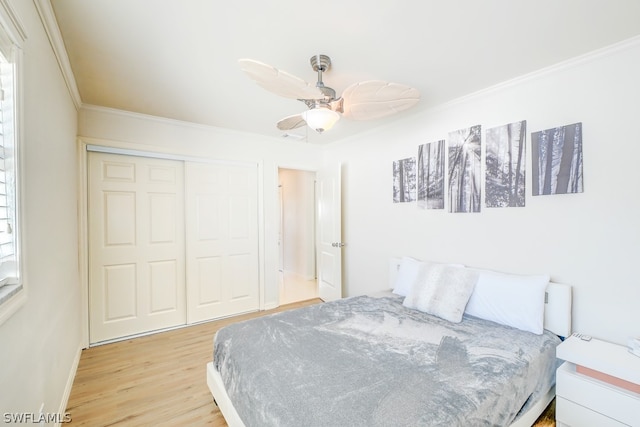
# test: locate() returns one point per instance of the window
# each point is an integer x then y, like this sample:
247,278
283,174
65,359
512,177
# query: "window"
12,292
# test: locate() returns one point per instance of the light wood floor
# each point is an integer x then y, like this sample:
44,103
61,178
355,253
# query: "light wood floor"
157,380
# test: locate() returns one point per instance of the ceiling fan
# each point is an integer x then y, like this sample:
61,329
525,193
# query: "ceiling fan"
366,100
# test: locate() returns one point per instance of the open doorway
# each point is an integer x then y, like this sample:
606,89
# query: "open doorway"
297,235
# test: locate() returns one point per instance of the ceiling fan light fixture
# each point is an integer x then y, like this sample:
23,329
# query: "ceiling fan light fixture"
368,100
320,119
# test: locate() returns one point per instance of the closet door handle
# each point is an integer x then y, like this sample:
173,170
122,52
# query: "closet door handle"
338,244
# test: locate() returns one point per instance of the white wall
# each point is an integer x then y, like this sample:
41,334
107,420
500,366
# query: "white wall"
41,341
119,129
589,240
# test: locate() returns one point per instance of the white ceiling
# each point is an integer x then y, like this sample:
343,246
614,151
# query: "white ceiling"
178,58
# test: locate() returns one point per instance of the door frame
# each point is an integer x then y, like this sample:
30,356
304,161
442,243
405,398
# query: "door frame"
278,167
86,144
276,202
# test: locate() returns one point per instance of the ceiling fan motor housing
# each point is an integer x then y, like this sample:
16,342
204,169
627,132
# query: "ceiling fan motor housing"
320,63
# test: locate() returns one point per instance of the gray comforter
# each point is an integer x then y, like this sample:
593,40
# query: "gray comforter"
366,361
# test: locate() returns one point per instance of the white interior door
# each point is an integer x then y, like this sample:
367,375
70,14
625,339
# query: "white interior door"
329,234
136,245
222,240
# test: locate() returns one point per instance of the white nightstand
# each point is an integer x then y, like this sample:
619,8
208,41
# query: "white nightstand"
598,385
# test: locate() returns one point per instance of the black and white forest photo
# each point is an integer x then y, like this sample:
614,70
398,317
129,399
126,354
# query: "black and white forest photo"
464,170
431,175
505,165
557,160
404,180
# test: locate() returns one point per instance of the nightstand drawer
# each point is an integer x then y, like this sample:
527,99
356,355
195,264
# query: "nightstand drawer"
597,396
574,415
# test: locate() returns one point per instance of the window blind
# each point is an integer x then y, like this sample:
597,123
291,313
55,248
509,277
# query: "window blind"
8,271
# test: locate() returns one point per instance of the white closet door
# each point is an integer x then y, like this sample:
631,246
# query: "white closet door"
222,240
136,245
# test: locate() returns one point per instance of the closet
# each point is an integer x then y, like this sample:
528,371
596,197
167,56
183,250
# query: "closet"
171,242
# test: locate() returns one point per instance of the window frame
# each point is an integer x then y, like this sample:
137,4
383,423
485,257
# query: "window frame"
13,293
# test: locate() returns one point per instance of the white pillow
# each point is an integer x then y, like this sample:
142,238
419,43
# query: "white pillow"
408,272
509,299
443,291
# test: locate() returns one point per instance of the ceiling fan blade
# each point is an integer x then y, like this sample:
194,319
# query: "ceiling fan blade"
375,99
279,82
291,122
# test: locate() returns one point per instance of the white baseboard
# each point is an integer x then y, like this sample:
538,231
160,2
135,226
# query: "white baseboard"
67,390
271,305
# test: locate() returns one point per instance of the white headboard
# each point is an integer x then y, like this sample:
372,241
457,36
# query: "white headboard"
557,308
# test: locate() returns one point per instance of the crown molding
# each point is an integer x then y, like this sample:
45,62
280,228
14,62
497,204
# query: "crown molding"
173,122
18,29
48,18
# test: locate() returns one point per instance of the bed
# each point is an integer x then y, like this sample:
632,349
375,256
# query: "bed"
373,360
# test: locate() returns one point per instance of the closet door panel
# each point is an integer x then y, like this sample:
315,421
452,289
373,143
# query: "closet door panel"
222,240
136,245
